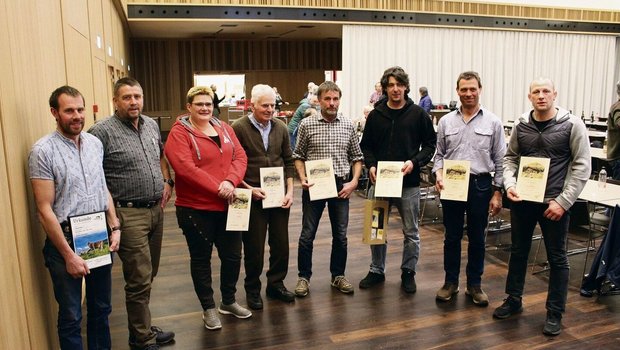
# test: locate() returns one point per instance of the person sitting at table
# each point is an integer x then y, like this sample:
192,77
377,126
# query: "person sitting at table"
613,137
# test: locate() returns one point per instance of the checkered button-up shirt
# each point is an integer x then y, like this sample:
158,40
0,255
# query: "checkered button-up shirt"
318,138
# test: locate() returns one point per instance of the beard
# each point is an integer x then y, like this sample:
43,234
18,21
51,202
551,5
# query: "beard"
69,128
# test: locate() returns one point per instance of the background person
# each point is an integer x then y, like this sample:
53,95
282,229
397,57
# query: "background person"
209,163
425,100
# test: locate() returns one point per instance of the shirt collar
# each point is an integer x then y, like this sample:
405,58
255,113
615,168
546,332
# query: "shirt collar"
256,123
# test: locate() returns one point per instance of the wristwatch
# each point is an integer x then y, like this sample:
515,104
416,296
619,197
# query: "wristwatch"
169,182
499,189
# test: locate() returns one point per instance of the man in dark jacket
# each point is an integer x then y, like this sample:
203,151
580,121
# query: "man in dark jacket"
398,130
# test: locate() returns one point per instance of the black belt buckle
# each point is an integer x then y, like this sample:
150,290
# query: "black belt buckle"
151,204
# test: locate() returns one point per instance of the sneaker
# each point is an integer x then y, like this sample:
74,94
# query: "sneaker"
302,288
234,309
553,323
372,279
478,296
512,305
342,284
408,281
210,319
446,292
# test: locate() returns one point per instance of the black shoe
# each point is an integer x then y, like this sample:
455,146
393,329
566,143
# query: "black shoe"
408,281
162,337
255,302
512,305
280,293
553,324
372,279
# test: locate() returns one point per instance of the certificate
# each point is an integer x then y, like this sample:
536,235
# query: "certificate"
272,182
90,239
375,221
389,179
321,173
239,211
455,180
532,178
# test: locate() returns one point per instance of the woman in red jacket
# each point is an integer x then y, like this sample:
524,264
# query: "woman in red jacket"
209,163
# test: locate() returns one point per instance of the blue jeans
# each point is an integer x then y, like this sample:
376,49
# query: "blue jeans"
523,218
477,208
339,217
68,294
409,209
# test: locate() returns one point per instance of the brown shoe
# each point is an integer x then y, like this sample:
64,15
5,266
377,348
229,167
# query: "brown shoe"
478,296
446,292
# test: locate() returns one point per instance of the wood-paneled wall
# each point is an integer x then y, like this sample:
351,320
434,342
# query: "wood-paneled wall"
433,6
45,44
166,68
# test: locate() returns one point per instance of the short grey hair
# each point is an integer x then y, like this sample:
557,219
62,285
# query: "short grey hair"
262,90
423,90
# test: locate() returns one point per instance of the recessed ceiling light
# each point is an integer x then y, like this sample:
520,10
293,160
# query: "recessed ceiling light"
228,25
305,26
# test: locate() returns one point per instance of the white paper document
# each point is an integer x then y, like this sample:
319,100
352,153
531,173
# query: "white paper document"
90,238
389,179
272,182
239,211
321,173
455,180
532,178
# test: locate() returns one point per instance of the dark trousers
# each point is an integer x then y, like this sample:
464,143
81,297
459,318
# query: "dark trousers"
477,209
274,220
339,218
202,229
524,216
68,294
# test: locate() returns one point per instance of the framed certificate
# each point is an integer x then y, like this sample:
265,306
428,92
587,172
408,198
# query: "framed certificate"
272,182
532,178
321,173
455,180
389,179
375,221
90,238
239,211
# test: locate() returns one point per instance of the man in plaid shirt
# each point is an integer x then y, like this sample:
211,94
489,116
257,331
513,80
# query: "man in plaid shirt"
327,136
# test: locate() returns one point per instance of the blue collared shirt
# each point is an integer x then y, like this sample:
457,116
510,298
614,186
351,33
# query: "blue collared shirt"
79,180
480,141
263,129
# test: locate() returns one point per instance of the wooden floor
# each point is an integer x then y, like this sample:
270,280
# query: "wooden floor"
380,318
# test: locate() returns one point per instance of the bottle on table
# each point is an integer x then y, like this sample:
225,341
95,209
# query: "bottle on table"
602,178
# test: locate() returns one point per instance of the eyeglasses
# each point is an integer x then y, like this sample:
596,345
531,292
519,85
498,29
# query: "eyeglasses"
203,104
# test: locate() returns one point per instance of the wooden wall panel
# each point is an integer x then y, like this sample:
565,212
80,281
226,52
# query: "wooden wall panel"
95,15
36,58
166,68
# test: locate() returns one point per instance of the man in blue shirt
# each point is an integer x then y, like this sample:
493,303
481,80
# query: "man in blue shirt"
425,101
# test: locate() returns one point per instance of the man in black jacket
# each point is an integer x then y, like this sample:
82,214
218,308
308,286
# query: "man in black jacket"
399,130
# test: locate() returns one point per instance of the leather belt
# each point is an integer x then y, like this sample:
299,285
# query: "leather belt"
478,176
136,204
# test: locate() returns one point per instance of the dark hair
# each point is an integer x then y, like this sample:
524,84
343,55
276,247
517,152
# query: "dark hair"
328,86
67,90
125,81
468,76
398,74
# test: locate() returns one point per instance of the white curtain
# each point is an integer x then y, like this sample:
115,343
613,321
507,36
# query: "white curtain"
581,65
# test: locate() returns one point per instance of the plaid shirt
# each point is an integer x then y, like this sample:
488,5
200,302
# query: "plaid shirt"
318,138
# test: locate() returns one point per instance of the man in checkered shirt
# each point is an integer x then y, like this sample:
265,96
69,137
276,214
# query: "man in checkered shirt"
328,135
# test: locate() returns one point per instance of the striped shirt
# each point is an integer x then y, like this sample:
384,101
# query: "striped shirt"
131,158
480,141
79,181
318,138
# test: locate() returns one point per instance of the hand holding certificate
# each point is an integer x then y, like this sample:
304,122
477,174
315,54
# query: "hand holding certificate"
239,211
389,179
320,173
272,182
90,239
532,178
455,180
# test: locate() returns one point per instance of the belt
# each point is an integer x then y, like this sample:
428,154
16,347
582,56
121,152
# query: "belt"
136,204
342,178
478,176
